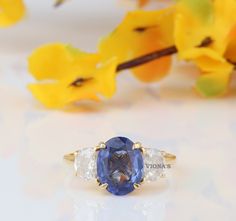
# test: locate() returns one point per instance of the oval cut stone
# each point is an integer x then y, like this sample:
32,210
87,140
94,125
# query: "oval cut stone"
120,166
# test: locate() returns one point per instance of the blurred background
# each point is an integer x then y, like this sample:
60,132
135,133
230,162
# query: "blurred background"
71,22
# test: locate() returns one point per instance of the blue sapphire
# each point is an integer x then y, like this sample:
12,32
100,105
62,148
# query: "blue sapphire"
120,166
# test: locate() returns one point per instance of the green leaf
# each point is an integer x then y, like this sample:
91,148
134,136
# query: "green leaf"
211,85
202,8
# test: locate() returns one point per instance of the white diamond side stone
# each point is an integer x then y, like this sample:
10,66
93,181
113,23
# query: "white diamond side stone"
86,163
153,164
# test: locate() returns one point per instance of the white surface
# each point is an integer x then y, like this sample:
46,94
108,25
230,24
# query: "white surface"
36,184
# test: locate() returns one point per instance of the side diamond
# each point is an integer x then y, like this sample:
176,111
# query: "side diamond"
153,164
85,163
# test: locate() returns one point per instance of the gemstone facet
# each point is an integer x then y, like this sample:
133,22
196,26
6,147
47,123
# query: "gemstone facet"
120,166
85,163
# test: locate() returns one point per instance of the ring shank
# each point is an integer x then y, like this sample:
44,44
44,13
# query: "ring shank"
169,157
70,157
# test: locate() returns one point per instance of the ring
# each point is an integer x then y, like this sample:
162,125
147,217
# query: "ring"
119,165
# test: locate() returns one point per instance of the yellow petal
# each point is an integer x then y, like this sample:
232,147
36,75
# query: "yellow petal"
141,32
230,53
58,95
136,28
157,69
224,22
11,11
153,71
105,78
61,67
207,59
55,61
190,29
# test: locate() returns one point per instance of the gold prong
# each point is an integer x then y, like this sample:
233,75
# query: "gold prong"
100,146
102,185
137,186
138,146
142,181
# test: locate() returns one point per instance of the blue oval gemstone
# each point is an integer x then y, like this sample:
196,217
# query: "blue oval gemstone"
120,166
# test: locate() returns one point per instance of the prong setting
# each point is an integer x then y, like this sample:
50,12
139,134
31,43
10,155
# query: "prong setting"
100,146
142,181
137,186
138,146
102,185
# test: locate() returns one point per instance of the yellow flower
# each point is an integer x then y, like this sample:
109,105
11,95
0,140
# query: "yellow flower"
141,32
67,75
11,11
196,20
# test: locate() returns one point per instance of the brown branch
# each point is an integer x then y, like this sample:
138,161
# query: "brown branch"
156,55
145,59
